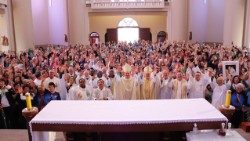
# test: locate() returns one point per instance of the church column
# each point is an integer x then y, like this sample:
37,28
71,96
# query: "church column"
6,26
197,22
86,25
23,24
247,26
58,22
234,22
178,20
40,17
11,30
78,21
22,15
3,25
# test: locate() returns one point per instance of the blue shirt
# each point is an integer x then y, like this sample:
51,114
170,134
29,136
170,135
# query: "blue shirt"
52,96
248,98
43,100
238,100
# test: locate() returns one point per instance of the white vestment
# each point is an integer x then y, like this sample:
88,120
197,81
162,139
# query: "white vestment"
219,94
148,89
179,87
166,89
125,89
196,88
79,93
38,82
62,89
157,78
95,81
104,94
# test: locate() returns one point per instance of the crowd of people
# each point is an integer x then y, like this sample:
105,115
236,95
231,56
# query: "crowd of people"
123,71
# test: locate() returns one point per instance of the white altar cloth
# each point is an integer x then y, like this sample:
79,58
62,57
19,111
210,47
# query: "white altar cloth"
123,112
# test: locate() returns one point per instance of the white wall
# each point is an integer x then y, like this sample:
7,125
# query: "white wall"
247,27
40,22
3,1
49,21
58,22
215,20
99,22
76,21
198,19
4,26
23,24
234,22
178,20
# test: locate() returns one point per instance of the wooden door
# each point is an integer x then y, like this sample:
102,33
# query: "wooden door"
145,34
111,35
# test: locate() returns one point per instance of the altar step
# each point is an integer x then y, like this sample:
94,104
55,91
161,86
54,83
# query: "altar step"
144,136
21,135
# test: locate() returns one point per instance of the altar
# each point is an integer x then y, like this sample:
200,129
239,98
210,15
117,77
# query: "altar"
126,116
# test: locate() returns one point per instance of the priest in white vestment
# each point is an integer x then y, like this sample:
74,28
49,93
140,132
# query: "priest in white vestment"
79,92
126,87
196,86
86,76
157,77
148,85
219,92
99,76
102,93
166,85
179,87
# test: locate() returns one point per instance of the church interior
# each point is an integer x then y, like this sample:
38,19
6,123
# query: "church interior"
127,70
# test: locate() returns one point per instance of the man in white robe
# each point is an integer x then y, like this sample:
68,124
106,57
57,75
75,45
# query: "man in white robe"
102,93
219,92
99,76
166,85
179,87
196,86
38,79
208,75
79,92
126,88
157,77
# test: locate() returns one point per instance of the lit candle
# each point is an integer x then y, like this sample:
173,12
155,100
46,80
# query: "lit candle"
228,99
28,101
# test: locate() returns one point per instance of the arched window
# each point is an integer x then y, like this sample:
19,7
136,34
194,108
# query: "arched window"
128,22
128,30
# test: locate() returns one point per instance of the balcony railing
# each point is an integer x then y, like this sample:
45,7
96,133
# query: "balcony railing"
116,4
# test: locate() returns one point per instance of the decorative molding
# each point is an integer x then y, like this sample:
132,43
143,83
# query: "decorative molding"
126,4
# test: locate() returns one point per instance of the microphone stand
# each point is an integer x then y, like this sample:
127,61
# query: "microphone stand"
3,114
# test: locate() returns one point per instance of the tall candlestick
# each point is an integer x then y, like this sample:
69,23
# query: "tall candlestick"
228,99
28,101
